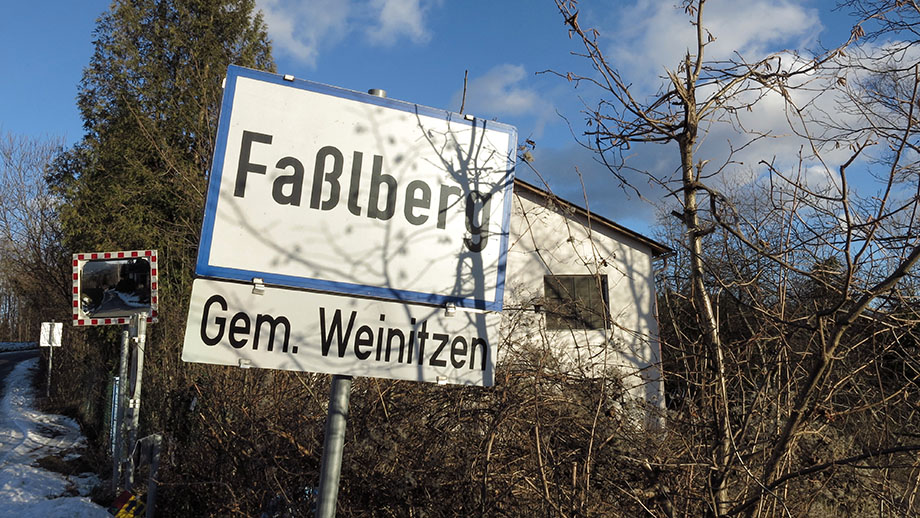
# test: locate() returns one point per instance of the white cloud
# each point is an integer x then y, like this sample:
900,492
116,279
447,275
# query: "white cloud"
831,119
305,29
820,179
653,36
397,18
299,29
504,91
573,173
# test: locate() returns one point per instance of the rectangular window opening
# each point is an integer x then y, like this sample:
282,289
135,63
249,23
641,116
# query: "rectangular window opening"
576,301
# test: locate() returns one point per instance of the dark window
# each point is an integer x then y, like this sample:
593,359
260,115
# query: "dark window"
576,301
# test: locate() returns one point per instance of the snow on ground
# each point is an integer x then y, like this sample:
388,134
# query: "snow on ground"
17,346
29,438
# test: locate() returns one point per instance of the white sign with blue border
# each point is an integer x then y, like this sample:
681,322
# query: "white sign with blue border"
334,190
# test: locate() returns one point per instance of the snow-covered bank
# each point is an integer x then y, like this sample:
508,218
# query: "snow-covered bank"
28,439
17,346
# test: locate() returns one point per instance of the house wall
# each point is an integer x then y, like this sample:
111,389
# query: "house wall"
545,240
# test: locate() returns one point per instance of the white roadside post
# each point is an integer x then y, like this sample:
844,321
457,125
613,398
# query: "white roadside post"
50,338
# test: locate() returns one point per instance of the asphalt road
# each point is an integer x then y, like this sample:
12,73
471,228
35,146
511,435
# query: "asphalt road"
8,361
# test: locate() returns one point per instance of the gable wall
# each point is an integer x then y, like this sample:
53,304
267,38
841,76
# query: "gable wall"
545,240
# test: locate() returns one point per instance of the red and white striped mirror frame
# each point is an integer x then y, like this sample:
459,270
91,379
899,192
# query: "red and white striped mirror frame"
79,319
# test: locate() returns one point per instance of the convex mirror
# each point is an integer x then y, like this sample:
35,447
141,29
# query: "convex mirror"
111,287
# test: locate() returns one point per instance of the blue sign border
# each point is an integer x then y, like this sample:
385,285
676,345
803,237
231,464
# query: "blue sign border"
205,269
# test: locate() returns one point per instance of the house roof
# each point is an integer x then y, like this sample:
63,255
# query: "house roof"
657,248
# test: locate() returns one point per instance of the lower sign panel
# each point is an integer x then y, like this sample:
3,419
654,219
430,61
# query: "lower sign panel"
303,331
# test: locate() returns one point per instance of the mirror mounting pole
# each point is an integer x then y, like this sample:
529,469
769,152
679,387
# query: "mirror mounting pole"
131,370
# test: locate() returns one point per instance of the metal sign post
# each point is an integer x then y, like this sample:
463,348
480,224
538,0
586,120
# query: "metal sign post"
48,381
128,402
336,423
115,433
133,411
119,411
333,446
50,338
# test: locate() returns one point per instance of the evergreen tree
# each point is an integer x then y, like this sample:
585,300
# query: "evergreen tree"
150,100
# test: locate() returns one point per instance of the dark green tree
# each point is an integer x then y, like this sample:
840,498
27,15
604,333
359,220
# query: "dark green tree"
150,101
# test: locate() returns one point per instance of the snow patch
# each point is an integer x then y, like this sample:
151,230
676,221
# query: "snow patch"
27,435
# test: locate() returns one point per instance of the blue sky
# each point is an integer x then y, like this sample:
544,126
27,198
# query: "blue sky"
418,51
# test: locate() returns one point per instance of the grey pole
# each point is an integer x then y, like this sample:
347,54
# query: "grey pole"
333,446
156,440
139,338
336,422
48,383
117,450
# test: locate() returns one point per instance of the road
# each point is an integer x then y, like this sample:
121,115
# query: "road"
8,361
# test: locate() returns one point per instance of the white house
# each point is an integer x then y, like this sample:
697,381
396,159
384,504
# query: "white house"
582,287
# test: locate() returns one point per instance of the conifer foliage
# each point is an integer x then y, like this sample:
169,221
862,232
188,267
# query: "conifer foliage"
150,100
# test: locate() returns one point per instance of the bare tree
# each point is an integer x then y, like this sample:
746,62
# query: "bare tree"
32,263
788,313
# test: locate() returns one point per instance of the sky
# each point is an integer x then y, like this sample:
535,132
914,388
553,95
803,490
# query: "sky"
27,435
420,50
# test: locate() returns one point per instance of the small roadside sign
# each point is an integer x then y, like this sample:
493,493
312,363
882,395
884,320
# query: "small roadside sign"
51,334
229,324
